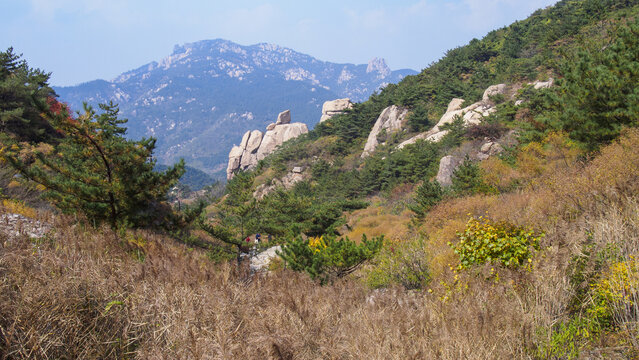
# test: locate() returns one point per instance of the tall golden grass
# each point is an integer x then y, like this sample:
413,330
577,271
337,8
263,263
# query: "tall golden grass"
82,293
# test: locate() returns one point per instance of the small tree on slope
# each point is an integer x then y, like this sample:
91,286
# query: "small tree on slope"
95,170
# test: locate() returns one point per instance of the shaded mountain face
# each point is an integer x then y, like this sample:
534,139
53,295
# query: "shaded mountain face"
200,100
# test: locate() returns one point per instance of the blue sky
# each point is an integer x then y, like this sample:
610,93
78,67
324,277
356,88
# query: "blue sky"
82,40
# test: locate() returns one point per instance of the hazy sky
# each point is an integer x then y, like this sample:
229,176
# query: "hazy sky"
82,40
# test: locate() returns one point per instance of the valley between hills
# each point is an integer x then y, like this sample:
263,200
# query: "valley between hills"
486,207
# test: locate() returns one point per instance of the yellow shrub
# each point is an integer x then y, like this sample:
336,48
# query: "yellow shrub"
375,221
317,243
616,292
486,241
497,174
18,207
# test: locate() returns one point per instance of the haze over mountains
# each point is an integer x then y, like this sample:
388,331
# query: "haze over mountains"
200,100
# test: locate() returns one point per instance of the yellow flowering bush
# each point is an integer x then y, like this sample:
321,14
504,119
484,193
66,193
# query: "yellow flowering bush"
485,241
317,243
616,291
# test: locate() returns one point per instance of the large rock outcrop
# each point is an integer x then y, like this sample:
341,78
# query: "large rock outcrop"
276,137
256,145
335,107
447,166
390,121
472,114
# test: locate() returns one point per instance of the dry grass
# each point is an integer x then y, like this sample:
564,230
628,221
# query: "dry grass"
378,220
83,293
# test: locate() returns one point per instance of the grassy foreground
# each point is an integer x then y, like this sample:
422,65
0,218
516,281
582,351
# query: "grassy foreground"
82,293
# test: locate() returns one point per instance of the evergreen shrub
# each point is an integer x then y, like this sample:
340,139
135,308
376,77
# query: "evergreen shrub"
326,258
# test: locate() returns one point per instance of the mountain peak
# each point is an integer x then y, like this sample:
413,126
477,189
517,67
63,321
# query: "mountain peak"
212,91
378,65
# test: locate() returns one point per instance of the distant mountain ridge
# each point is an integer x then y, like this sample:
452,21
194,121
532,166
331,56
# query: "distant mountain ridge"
200,100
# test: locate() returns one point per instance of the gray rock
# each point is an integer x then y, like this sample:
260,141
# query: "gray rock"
455,104
283,118
486,147
261,261
491,148
253,142
493,90
391,120
248,161
335,107
298,169
495,149
255,145
413,140
235,157
472,114
543,84
447,166
245,139
437,136
276,137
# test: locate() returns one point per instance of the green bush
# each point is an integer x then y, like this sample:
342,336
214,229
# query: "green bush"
567,339
427,195
484,241
467,179
326,258
400,262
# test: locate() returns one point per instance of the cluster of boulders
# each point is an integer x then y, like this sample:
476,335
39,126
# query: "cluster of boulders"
471,115
256,145
393,119
487,148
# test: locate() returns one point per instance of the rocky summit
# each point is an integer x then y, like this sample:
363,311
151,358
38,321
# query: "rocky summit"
255,145
200,99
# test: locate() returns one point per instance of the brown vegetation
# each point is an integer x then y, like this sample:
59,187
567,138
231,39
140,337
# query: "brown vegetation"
82,293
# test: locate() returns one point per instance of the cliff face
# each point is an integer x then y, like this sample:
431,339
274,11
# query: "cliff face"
255,145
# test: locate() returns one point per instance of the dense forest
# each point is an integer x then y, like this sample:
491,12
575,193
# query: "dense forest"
527,252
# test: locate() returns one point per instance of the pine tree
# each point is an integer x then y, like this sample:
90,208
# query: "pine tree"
95,170
326,258
237,215
23,96
466,178
598,94
427,195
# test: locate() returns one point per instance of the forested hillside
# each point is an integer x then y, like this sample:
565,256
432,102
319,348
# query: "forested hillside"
495,217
